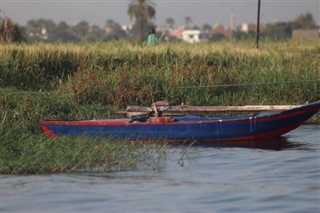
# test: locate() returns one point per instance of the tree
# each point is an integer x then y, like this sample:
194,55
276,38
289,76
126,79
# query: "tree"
63,33
207,28
142,11
240,35
278,31
114,30
304,21
9,31
48,24
170,22
217,37
81,29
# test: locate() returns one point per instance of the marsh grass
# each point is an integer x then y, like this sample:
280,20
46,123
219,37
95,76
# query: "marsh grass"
123,73
33,154
25,150
95,80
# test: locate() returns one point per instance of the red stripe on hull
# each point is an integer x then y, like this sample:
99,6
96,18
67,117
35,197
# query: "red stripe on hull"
48,132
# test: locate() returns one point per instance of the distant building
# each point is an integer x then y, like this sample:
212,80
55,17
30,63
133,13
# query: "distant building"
44,33
248,27
38,33
126,28
177,33
308,34
191,36
218,29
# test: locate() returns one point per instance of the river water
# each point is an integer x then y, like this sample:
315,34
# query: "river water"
281,177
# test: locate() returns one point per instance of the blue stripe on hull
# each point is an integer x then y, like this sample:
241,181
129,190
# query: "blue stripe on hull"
229,129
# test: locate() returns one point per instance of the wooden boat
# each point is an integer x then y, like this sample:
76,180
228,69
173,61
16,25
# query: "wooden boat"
179,128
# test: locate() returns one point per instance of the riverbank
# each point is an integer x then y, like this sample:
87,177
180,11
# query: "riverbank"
95,80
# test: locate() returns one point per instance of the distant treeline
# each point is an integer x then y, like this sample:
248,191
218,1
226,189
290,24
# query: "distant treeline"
49,31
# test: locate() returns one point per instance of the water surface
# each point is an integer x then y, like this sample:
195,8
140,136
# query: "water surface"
250,177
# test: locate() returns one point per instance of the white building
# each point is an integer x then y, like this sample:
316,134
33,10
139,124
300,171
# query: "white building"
191,36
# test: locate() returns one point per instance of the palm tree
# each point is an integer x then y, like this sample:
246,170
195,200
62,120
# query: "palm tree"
142,11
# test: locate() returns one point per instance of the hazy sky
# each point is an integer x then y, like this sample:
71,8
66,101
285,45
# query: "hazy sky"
201,11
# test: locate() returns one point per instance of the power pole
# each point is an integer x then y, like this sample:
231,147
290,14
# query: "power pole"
258,24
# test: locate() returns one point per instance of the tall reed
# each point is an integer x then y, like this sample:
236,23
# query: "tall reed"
23,153
25,150
122,73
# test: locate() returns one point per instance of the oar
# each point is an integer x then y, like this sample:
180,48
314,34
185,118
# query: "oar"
226,109
166,110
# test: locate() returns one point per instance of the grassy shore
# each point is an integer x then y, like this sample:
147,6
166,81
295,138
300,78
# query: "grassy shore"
122,73
95,80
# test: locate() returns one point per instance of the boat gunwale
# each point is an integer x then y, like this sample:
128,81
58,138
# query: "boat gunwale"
313,107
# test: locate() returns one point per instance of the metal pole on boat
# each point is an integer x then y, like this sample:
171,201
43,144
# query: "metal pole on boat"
258,24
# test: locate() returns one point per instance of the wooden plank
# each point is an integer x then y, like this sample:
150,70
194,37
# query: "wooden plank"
185,109
226,109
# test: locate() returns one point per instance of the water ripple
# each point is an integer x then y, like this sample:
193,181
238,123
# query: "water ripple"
250,177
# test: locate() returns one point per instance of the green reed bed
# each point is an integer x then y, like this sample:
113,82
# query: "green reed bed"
23,153
95,80
26,150
26,109
122,73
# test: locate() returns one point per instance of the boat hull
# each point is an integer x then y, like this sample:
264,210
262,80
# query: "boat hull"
187,128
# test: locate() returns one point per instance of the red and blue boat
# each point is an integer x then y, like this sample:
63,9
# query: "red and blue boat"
257,126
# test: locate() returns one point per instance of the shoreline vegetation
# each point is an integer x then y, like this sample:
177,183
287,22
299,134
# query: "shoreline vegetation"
95,80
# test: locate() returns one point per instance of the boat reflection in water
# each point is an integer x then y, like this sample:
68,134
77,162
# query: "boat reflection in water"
277,144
